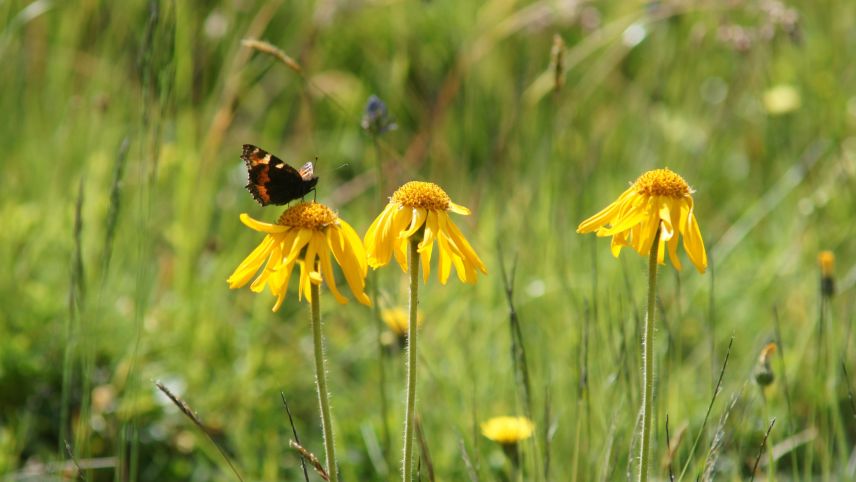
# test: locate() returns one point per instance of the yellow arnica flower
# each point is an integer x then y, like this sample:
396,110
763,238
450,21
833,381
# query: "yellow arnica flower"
305,234
659,198
508,430
422,209
396,320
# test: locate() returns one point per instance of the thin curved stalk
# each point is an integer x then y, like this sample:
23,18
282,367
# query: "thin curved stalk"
321,383
648,360
409,417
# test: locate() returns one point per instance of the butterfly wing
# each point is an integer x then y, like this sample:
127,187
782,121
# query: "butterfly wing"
272,181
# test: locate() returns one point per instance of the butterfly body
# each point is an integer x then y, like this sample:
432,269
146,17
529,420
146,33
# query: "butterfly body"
272,181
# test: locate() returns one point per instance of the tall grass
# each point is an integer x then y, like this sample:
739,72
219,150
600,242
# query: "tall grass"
138,111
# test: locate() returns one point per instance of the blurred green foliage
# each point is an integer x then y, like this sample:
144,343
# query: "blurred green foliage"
136,111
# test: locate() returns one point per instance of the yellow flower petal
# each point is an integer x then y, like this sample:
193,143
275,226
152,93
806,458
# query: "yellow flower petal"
466,250
604,216
327,270
248,267
374,239
694,245
350,256
301,239
458,209
261,226
353,240
416,222
399,249
273,263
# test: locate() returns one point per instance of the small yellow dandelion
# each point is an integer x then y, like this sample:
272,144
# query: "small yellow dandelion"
508,430
422,209
305,234
658,199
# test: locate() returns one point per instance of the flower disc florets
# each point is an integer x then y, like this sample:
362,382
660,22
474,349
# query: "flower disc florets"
422,195
308,216
662,182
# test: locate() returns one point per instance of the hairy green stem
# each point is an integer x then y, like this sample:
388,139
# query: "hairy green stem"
409,416
321,383
648,360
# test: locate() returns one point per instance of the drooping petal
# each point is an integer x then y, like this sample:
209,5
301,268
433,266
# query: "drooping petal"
347,256
302,279
604,216
262,226
619,240
447,246
279,284
636,214
694,245
327,268
350,237
301,239
248,267
377,242
458,209
387,239
416,222
467,251
399,249
431,228
309,264
673,253
444,263
667,229
648,230
273,262
426,246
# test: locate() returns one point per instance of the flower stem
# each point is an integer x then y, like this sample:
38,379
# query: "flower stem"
321,383
648,360
409,417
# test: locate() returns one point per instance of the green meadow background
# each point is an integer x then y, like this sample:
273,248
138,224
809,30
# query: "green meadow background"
121,187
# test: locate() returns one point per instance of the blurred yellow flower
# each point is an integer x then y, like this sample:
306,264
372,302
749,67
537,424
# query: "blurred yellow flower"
421,209
396,320
304,234
781,99
508,430
658,199
826,260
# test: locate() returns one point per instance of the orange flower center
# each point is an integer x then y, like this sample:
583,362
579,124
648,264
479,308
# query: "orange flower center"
422,195
662,182
309,215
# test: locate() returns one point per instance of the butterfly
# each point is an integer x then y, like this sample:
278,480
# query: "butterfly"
272,181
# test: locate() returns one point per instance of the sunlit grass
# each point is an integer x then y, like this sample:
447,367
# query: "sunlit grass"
173,78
